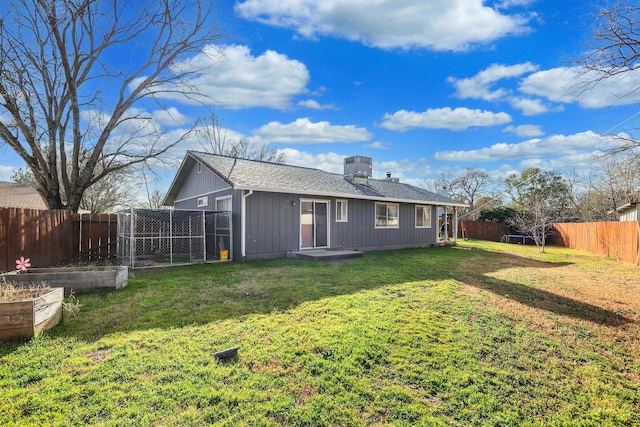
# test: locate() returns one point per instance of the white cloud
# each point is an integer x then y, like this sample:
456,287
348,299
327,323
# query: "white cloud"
233,77
554,146
6,172
379,145
410,171
530,106
315,105
567,85
525,131
456,119
437,25
479,86
329,162
304,131
170,117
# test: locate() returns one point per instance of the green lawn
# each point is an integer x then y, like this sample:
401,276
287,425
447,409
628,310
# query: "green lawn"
479,334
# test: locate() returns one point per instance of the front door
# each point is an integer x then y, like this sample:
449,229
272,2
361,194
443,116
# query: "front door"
314,231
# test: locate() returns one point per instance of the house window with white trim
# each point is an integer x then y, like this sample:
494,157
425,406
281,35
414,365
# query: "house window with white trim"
199,167
222,218
387,215
342,211
203,201
423,216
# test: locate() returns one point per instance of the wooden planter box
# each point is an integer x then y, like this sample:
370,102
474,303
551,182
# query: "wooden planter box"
80,279
31,316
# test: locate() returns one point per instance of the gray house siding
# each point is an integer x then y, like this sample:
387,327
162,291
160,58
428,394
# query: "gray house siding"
360,231
272,224
201,184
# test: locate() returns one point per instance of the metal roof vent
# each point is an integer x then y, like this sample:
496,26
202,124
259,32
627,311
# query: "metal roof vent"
358,166
390,179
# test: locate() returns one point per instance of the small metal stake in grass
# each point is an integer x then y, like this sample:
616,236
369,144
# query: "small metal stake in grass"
229,353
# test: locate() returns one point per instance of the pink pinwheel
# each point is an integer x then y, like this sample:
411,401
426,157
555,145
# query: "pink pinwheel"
23,263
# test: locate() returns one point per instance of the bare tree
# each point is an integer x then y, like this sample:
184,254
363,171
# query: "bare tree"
465,188
540,198
616,41
616,181
470,185
62,96
216,139
113,191
615,51
105,196
156,199
536,221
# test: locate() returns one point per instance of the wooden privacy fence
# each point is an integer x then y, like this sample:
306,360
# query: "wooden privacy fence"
97,235
618,240
482,230
50,237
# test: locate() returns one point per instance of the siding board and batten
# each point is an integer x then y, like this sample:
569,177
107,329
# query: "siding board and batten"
272,195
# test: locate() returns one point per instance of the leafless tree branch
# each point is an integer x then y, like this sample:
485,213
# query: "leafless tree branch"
65,101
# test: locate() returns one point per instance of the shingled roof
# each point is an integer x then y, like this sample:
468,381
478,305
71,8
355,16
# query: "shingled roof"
14,195
243,174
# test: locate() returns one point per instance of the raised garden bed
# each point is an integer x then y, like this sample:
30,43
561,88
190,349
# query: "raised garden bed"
30,312
78,279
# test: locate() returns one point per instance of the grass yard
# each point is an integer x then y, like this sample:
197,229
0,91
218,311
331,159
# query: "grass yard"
479,334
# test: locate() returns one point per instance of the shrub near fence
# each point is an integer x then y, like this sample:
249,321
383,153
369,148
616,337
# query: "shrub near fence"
618,240
50,237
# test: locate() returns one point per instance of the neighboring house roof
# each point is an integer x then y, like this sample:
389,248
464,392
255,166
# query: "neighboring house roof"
14,195
622,209
244,174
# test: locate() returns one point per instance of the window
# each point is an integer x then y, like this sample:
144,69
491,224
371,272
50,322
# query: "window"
423,216
222,218
387,215
199,167
203,201
341,211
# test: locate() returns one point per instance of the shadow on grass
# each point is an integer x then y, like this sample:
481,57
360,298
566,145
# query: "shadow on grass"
202,294
554,303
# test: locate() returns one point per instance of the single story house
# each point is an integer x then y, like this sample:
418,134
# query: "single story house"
14,195
277,208
628,212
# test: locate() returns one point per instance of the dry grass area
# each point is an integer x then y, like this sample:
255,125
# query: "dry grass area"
12,292
562,290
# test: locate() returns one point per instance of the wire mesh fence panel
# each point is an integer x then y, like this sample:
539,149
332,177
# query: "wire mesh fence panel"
149,237
219,240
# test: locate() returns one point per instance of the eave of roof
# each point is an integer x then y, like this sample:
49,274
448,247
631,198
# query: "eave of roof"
623,207
349,196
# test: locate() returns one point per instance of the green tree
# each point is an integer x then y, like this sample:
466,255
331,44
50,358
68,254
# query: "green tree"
534,185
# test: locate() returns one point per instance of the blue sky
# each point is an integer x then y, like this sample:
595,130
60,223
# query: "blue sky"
423,87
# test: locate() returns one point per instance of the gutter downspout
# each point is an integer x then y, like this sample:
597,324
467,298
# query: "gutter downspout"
243,223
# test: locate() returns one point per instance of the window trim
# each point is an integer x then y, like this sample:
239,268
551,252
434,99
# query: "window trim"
339,203
228,197
203,202
386,204
429,216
